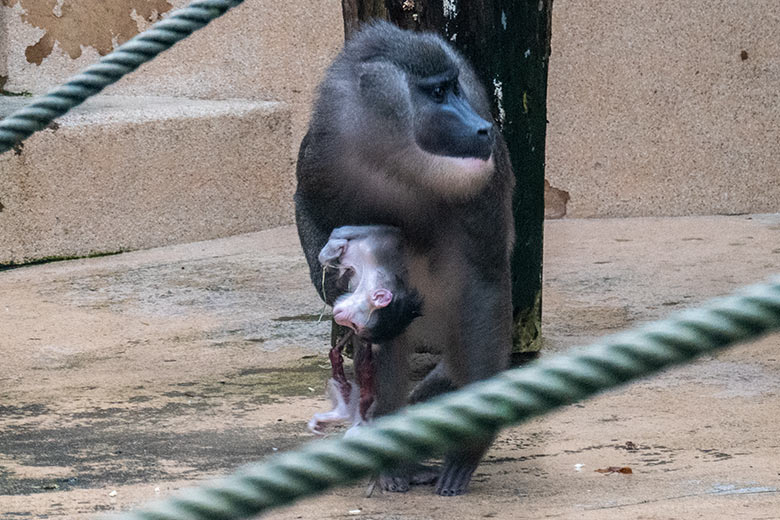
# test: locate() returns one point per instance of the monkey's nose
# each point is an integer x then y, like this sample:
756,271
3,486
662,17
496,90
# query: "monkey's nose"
341,316
485,132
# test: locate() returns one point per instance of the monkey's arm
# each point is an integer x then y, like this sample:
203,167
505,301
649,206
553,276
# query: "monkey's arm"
314,236
356,232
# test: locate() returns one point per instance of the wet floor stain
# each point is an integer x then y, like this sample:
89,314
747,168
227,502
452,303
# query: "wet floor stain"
133,440
107,452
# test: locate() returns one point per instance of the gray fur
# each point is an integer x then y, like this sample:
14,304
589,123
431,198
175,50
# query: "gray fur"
360,164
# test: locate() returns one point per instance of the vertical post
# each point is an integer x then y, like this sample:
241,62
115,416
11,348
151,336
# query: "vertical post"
508,43
356,12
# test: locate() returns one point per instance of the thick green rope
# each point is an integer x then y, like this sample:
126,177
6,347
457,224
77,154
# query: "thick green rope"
480,409
124,59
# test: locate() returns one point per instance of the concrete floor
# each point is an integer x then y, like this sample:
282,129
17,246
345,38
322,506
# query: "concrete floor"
125,378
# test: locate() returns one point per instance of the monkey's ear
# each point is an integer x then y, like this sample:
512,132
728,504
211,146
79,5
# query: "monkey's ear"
384,87
377,74
381,298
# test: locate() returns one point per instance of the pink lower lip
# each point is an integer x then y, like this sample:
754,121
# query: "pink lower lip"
472,163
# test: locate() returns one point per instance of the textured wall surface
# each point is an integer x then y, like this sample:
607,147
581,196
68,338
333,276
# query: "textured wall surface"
197,144
75,24
263,50
655,107
120,173
260,50
665,108
3,49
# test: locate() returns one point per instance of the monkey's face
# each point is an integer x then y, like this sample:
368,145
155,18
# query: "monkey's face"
356,310
445,124
440,141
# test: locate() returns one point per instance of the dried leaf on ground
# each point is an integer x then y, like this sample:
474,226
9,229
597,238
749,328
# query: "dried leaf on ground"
615,469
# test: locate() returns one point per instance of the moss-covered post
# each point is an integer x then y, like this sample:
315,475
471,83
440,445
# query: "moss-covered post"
508,43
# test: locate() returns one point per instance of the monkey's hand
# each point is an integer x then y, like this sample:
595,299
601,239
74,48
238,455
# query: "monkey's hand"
330,254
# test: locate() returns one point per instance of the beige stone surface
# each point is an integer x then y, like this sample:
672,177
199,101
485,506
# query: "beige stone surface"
261,50
197,144
128,172
655,108
665,108
3,50
147,372
74,25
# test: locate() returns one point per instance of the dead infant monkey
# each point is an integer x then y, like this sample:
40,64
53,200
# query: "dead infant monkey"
375,302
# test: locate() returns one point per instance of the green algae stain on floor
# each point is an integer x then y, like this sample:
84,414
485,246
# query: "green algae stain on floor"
296,381
258,386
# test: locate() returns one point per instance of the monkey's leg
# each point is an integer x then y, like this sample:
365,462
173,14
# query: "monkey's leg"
482,350
458,468
343,394
391,367
435,383
365,376
365,379
337,363
344,408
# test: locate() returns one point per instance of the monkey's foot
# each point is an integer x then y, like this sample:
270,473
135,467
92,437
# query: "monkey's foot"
345,406
358,425
319,421
424,475
395,482
399,480
455,477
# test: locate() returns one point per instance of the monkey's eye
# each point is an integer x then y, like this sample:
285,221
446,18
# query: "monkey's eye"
438,93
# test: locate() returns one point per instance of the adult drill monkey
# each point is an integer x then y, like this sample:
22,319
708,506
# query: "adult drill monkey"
401,134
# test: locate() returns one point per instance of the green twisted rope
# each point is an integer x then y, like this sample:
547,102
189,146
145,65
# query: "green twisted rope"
479,409
124,59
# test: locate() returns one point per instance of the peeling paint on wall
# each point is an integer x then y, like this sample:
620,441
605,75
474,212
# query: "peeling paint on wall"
498,93
90,23
555,201
450,9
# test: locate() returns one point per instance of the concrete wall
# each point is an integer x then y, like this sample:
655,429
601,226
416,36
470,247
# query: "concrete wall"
121,173
3,50
261,50
665,108
655,107
200,143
